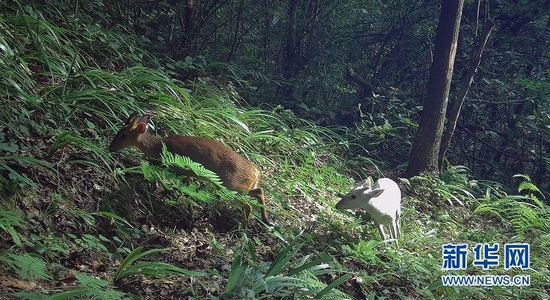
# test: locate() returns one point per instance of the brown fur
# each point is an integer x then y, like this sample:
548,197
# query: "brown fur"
236,172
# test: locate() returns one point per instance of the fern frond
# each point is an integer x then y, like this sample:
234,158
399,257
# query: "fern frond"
173,160
531,189
522,215
27,266
529,186
8,222
171,181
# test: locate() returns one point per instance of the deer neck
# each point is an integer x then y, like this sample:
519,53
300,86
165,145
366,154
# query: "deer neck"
150,145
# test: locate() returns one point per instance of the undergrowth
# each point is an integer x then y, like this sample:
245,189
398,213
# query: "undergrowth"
78,221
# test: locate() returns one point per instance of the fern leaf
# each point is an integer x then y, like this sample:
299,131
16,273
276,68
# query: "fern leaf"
185,163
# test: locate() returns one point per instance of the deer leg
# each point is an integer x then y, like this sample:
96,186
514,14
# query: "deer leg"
381,229
258,193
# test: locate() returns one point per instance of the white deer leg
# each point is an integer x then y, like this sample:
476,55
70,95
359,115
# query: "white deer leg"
394,228
397,215
381,229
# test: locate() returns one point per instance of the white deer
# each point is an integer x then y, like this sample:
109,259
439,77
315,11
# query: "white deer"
382,201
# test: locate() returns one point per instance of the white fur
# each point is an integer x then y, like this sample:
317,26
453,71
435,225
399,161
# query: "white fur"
382,201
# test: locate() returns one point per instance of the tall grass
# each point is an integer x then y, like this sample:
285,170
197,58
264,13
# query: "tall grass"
63,99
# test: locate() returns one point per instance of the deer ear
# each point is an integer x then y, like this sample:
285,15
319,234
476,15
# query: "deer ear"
145,119
369,182
376,192
361,184
132,118
141,127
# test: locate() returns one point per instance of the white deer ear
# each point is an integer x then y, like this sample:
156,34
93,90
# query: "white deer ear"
375,193
369,182
361,184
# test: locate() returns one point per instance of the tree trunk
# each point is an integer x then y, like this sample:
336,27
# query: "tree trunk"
425,152
291,49
188,9
456,105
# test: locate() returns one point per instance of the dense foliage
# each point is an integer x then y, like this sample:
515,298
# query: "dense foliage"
318,94
366,63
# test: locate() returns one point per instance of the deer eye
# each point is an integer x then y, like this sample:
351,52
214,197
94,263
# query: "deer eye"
353,196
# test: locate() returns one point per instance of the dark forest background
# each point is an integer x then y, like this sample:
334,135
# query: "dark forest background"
365,64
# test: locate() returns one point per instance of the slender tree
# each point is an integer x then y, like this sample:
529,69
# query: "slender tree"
456,106
425,152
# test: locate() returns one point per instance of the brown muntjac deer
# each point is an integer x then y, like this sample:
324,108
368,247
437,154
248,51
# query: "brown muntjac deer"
236,172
